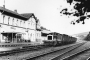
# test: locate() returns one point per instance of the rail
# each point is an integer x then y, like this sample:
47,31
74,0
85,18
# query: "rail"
88,58
68,55
53,51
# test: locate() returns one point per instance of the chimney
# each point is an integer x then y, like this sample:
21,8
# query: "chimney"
3,6
15,10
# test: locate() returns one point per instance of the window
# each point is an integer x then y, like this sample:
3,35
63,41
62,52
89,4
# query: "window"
24,25
17,23
33,26
5,19
37,34
20,23
31,23
14,21
31,34
8,19
0,37
11,20
28,25
1,18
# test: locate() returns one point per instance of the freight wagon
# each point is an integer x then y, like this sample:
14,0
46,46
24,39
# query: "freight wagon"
54,39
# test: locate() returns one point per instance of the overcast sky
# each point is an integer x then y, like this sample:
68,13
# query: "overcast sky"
47,11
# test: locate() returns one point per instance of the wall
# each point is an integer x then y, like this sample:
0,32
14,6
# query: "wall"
11,24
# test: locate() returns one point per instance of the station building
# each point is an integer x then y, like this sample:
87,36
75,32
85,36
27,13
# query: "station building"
44,33
15,27
38,32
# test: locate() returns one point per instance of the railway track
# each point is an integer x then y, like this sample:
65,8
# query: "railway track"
54,53
46,54
83,55
88,58
69,55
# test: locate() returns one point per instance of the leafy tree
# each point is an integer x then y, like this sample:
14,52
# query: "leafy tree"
82,10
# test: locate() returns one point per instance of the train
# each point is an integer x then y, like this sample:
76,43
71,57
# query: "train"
54,39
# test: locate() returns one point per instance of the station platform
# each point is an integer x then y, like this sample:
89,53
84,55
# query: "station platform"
12,46
7,48
30,43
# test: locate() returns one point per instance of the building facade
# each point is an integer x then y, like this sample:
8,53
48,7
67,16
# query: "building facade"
38,32
14,25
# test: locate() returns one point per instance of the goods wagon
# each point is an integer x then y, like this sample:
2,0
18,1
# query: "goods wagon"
59,39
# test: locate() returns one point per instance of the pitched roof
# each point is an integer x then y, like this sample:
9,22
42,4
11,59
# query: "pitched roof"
27,15
8,12
43,28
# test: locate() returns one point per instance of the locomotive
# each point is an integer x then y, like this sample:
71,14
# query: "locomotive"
54,39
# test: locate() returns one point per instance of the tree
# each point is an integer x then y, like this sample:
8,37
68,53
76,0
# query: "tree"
82,10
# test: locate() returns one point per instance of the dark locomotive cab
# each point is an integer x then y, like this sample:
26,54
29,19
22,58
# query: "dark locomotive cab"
49,37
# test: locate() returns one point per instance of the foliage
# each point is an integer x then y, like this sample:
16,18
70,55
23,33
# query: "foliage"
81,8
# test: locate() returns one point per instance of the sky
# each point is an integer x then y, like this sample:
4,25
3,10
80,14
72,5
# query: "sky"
48,12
